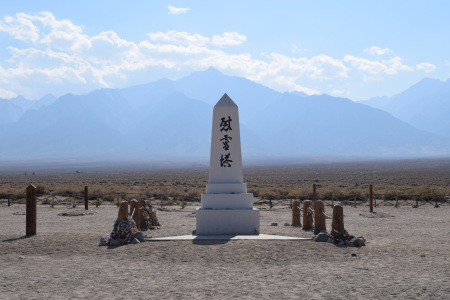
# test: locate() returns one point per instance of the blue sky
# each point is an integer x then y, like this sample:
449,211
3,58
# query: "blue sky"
353,49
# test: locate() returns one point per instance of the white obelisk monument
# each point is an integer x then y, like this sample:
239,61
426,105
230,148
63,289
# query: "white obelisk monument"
226,208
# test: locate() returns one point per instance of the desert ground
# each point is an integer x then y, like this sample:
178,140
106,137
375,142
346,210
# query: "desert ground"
406,254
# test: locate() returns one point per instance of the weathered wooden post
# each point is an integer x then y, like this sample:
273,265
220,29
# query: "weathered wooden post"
74,202
123,211
396,201
319,216
53,200
337,225
30,227
296,213
307,215
332,200
9,202
141,215
86,197
134,211
354,201
314,193
371,198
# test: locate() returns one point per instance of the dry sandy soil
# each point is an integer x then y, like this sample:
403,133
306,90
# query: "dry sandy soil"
406,257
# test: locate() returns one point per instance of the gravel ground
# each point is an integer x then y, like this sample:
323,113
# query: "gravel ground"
406,256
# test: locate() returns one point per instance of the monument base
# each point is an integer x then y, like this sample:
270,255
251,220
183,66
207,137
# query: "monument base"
227,221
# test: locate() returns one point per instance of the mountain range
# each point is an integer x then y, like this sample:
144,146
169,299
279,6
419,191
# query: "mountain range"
425,105
172,119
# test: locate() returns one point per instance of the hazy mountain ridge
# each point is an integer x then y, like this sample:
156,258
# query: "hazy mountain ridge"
170,119
425,105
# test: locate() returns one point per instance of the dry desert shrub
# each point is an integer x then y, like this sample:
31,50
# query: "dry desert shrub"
97,202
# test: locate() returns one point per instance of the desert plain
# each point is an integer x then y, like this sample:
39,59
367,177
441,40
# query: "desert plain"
406,254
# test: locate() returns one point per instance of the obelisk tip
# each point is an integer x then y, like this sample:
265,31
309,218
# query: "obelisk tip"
225,101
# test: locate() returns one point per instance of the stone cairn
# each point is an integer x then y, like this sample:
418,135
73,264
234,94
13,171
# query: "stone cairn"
338,236
124,230
149,219
314,219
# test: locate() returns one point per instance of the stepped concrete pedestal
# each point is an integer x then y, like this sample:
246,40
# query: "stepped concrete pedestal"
226,208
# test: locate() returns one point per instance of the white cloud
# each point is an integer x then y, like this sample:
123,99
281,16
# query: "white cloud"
374,50
179,38
373,69
228,39
5,94
61,58
20,27
176,11
337,92
426,67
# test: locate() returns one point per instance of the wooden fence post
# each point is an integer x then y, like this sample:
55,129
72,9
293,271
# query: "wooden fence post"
53,200
337,225
296,213
417,203
134,211
141,214
314,193
319,217
396,201
371,198
123,211
30,227
332,200
86,197
307,216
9,202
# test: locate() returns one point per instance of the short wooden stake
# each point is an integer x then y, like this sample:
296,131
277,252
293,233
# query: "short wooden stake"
53,200
141,214
9,202
319,217
354,201
337,225
332,201
86,197
123,211
134,211
307,216
74,202
396,201
30,227
296,213
371,198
